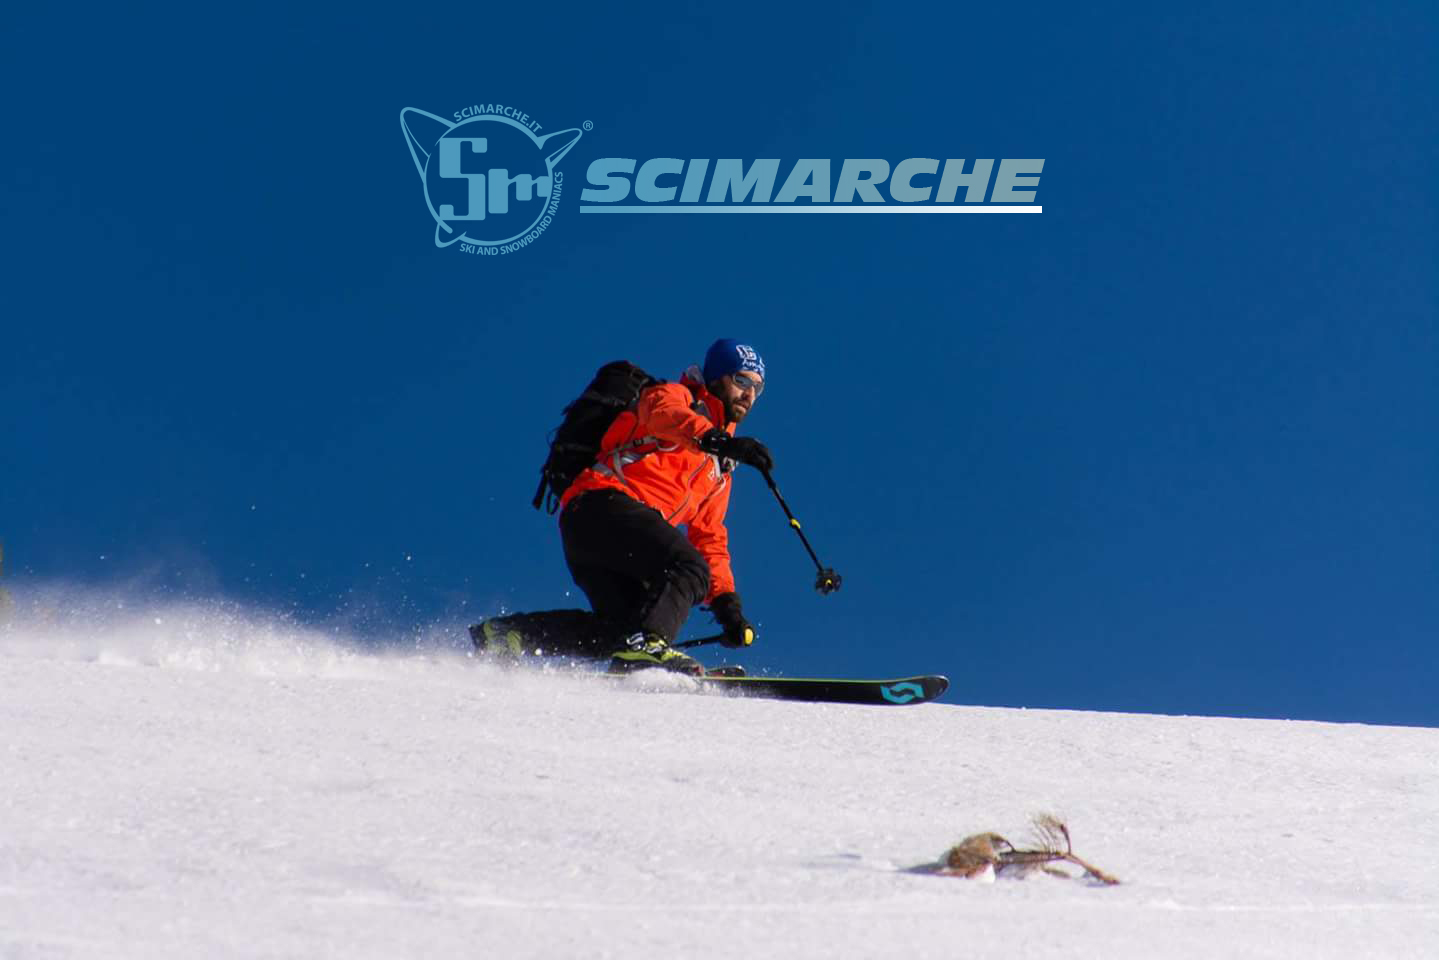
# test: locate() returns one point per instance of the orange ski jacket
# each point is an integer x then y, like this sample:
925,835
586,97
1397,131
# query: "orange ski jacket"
652,454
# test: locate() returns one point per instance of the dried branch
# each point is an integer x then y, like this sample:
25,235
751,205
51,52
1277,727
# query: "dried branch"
1051,834
1108,879
989,854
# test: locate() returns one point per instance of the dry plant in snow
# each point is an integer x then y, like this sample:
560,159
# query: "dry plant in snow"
984,856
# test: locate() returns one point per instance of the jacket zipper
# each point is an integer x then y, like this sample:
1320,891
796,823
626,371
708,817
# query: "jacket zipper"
689,487
724,479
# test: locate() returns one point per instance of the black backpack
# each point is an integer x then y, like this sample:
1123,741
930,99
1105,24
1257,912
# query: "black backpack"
575,443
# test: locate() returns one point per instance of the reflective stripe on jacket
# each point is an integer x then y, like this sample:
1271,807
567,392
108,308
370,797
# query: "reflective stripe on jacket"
652,454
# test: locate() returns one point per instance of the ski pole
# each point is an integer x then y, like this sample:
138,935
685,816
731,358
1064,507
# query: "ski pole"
701,642
828,581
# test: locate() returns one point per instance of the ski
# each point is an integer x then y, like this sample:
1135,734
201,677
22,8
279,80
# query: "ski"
880,693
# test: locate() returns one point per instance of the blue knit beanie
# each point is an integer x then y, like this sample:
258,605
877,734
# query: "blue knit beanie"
731,356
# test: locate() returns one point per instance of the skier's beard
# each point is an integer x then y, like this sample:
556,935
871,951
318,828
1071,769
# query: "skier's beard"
733,412
729,399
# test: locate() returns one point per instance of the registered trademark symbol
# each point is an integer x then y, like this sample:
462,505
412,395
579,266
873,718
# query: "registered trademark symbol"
587,126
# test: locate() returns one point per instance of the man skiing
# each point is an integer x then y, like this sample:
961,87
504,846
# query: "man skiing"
665,464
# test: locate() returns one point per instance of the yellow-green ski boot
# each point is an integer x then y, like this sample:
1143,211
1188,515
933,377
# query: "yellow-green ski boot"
497,639
644,651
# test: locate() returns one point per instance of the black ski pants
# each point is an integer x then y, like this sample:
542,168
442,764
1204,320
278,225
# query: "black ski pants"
638,571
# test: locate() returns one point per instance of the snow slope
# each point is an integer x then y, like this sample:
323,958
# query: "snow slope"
200,783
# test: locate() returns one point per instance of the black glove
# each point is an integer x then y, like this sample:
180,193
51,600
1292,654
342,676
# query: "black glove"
739,449
737,630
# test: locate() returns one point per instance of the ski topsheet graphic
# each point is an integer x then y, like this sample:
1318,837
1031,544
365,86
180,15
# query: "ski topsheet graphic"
881,693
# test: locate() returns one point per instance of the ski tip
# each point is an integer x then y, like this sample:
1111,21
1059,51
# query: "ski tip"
914,689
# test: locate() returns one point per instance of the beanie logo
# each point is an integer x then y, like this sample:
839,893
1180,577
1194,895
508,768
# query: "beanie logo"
749,360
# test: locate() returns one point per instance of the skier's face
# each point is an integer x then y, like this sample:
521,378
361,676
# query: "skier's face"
738,392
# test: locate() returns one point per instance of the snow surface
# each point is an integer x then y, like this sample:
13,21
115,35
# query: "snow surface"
202,782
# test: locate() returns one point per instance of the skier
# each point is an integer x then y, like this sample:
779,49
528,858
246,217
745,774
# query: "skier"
666,464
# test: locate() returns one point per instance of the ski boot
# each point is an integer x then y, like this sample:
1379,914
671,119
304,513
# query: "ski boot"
644,651
497,639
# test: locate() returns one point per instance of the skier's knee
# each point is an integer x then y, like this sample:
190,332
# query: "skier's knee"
692,575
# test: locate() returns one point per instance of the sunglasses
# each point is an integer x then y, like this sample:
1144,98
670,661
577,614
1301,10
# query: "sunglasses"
744,381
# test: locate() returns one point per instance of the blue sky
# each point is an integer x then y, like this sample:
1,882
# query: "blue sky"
1168,446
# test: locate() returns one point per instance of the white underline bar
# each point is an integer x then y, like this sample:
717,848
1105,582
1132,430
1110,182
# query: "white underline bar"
809,208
